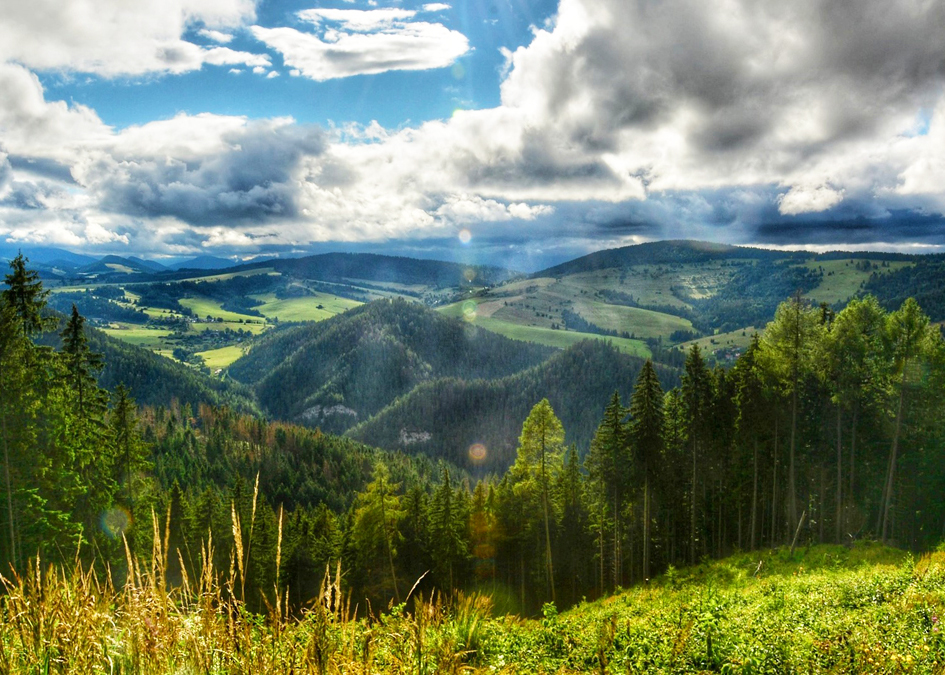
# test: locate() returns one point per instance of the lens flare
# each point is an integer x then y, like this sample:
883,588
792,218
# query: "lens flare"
458,71
469,310
469,274
465,236
477,453
115,522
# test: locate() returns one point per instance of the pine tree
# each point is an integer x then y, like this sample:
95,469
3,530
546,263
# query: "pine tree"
607,466
910,339
82,366
448,534
854,362
752,416
130,452
789,344
646,435
25,294
540,450
375,530
696,395
573,544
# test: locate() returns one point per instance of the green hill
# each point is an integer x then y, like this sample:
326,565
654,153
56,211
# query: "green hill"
337,372
444,418
156,381
863,609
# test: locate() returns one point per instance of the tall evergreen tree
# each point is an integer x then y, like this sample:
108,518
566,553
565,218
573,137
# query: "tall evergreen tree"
696,393
790,342
750,400
646,434
26,295
608,464
540,450
130,451
911,340
448,534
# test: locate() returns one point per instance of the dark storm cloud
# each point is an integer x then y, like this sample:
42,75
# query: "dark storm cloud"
6,171
897,227
252,180
538,163
28,195
743,71
41,166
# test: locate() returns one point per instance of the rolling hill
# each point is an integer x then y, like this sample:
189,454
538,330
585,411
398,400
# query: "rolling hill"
671,292
337,372
446,417
156,381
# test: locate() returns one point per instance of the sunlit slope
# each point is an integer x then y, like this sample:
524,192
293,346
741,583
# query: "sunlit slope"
155,380
829,609
446,417
338,372
672,292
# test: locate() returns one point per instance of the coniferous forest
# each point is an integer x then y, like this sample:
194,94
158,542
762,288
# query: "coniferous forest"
826,430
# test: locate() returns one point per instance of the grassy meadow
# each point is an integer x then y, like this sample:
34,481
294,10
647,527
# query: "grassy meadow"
827,609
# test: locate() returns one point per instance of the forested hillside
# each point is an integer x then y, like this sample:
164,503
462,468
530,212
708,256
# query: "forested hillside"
337,372
152,379
827,429
476,423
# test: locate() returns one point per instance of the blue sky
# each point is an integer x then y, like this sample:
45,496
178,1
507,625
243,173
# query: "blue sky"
515,132
393,98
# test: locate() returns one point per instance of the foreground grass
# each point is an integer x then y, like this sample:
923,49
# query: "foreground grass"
829,610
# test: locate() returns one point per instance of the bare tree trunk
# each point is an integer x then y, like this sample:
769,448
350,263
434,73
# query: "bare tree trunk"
692,509
851,495
792,487
754,497
823,507
390,552
774,490
6,474
837,525
646,527
890,479
544,504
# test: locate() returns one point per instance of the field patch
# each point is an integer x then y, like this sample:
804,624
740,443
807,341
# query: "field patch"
316,307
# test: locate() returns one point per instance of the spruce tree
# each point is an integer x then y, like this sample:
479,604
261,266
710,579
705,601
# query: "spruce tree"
646,434
540,450
696,395
608,469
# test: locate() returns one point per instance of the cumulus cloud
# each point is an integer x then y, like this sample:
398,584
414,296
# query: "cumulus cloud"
215,35
751,121
215,170
350,42
471,209
114,38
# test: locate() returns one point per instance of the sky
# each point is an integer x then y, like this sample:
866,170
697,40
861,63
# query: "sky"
511,132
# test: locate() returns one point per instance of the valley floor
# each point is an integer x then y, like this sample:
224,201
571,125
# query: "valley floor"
830,609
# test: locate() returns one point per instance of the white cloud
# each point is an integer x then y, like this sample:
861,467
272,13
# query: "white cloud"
113,37
803,199
215,35
360,20
224,56
694,114
362,42
471,209
436,7
271,75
